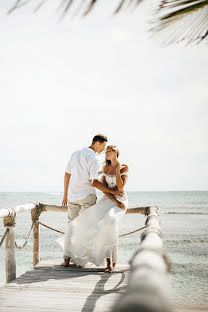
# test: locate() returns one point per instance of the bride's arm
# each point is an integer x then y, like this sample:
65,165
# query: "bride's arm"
121,180
111,196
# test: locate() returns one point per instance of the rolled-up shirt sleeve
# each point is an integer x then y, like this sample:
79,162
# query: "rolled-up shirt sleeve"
94,169
68,167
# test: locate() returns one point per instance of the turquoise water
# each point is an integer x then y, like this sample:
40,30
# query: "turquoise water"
184,222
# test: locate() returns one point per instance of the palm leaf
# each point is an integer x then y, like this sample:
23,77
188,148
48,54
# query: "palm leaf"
181,21
173,21
67,5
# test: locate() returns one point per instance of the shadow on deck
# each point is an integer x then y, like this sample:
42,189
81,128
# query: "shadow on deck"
51,287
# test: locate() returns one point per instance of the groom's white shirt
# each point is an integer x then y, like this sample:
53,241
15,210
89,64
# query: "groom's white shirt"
83,167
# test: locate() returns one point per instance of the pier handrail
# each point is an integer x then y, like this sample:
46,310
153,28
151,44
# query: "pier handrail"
9,216
5,212
148,285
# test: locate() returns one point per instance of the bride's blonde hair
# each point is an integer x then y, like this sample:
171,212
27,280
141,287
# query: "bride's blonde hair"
114,149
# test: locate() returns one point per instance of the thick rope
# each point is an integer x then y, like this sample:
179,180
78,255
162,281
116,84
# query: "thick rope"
50,228
25,243
4,236
36,212
137,230
157,250
11,212
9,221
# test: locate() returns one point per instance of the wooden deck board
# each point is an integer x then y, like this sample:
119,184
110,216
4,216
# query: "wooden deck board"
50,287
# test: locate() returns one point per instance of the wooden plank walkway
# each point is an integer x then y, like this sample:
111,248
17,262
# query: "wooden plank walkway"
51,287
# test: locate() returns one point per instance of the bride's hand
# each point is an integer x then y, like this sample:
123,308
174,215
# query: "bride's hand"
121,205
120,167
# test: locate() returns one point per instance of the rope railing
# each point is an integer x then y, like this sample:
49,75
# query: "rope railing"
3,238
148,267
55,230
50,228
17,246
132,232
9,218
121,235
27,239
148,286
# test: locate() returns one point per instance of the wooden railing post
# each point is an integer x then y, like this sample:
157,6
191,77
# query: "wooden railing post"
10,262
35,213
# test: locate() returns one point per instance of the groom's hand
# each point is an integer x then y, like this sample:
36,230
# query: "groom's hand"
121,205
64,202
118,192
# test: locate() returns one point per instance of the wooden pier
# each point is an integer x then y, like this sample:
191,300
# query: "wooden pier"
141,287
51,287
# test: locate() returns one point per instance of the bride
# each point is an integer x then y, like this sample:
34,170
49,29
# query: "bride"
93,235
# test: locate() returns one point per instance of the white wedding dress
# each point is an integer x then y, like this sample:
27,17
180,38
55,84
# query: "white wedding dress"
93,235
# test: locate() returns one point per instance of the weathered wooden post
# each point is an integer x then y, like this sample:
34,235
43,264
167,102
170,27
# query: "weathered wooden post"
10,262
148,284
35,214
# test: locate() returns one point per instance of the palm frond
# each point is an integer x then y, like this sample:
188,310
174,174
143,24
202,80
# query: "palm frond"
173,21
119,7
180,21
90,6
39,6
18,4
67,4
128,4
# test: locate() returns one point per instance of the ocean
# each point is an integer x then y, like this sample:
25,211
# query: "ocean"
184,223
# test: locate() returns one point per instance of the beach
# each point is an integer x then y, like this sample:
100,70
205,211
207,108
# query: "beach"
184,219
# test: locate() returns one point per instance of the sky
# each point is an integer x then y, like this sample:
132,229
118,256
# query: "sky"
63,81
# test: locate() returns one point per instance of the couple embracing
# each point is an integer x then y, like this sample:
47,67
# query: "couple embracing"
92,229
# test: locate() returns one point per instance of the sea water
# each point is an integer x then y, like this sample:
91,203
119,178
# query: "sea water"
184,223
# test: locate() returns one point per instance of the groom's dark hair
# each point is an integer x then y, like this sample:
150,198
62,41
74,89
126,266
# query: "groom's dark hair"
99,138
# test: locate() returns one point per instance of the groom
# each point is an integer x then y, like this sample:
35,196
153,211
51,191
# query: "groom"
81,179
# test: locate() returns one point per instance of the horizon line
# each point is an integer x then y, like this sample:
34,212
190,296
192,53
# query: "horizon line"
131,191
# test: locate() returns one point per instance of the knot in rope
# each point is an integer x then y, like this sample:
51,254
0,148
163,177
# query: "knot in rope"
147,209
35,212
9,221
